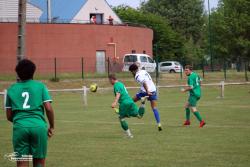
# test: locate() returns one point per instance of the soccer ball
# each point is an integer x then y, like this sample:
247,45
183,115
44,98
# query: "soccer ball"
93,87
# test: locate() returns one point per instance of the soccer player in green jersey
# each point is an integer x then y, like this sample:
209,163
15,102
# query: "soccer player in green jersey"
25,104
194,90
127,107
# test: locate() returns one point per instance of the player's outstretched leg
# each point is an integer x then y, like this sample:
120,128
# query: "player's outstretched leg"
124,126
156,114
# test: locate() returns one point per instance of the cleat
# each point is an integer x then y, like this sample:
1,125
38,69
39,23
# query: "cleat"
159,128
141,112
202,123
131,136
187,123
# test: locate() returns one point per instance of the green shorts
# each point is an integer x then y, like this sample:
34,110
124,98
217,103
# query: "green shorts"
30,141
192,100
128,109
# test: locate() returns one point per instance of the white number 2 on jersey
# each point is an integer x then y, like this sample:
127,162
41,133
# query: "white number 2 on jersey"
26,96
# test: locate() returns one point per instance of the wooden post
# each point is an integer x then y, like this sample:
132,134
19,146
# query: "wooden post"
222,89
85,102
21,30
82,68
4,98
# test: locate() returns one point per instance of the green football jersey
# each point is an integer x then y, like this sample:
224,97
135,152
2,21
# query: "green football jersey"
120,88
194,82
26,102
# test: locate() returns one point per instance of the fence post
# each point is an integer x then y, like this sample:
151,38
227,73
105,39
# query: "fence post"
222,85
55,68
4,98
225,69
181,72
82,68
85,102
203,70
246,68
108,66
157,67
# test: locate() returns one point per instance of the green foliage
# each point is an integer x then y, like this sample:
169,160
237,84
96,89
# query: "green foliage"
230,28
185,16
169,44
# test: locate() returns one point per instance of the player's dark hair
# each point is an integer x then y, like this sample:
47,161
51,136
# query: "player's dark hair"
133,67
112,76
25,69
189,67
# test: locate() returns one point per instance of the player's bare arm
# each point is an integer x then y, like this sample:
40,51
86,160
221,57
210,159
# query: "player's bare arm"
9,115
186,89
117,97
50,116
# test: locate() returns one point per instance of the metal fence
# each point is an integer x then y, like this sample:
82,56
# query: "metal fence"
68,21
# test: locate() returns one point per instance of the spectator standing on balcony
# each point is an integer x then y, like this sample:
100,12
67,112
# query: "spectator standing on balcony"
110,19
93,20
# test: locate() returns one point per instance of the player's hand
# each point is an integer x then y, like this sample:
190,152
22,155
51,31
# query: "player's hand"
113,105
50,132
149,93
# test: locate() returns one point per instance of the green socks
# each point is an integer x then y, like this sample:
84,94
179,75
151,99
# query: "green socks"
187,114
141,111
198,116
124,124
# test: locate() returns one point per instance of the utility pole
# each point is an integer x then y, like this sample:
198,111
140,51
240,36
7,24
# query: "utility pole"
49,11
21,30
209,38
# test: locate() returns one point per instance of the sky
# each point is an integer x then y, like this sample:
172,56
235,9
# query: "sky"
136,3
65,9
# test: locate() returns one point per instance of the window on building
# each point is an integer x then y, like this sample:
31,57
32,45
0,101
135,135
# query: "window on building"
96,18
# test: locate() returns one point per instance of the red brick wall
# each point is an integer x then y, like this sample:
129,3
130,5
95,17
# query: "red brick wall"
69,43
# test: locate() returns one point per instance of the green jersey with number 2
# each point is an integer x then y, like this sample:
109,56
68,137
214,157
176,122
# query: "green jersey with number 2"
26,102
194,82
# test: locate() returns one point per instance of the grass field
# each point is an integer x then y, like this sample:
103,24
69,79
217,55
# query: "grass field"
91,136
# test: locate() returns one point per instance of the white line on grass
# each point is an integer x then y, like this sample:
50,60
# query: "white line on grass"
166,125
96,122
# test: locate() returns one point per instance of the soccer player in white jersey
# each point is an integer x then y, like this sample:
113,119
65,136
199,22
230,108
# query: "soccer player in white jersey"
148,89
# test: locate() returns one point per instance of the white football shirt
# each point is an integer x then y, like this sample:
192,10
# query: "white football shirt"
142,76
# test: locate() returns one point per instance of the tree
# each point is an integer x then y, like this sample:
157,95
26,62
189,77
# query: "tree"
231,30
185,16
169,43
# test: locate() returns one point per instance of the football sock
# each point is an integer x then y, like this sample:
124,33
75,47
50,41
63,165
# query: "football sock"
129,133
124,124
157,115
187,114
141,111
198,116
